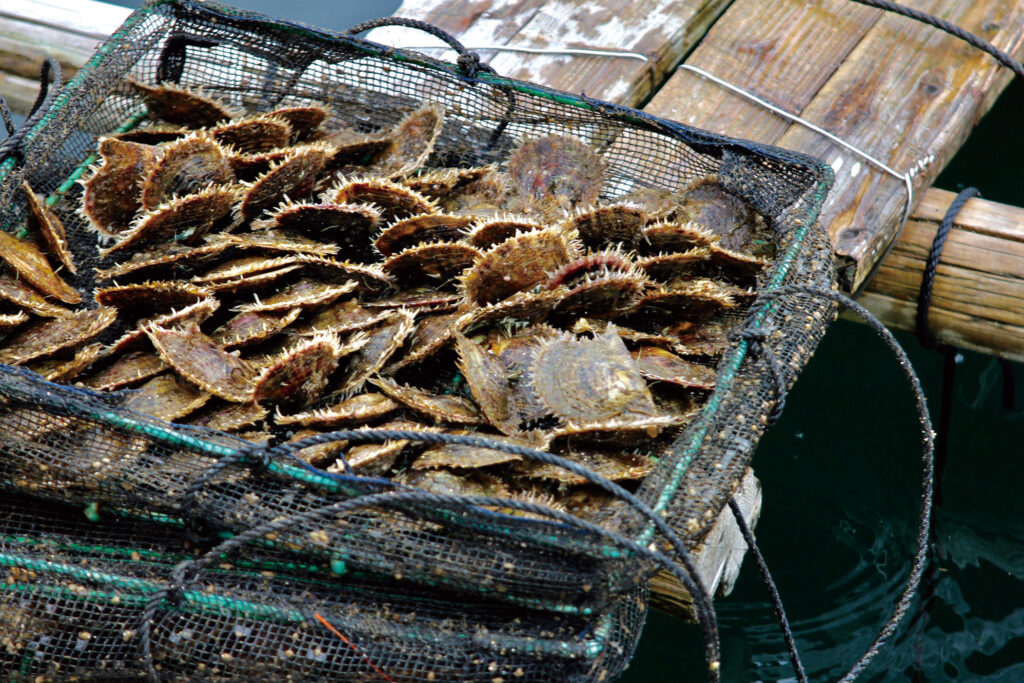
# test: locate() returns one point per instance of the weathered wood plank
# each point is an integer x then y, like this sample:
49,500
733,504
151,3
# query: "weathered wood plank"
978,293
665,30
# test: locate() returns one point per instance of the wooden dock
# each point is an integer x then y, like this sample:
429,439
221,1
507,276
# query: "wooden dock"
903,93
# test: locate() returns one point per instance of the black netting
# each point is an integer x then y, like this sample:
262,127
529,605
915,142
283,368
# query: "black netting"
465,592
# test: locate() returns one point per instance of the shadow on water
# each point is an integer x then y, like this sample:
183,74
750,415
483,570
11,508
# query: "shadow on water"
841,478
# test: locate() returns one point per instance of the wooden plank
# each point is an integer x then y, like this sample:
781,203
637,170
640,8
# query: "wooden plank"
718,558
978,293
665,30
900,90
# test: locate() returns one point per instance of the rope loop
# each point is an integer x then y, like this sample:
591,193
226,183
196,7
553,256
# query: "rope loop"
47,92
469,62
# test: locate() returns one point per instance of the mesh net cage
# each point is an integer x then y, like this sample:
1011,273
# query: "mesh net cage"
539,584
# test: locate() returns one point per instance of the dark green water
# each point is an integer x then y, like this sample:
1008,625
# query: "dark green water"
841,476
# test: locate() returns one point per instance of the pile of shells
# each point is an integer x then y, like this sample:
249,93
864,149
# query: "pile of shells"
277,276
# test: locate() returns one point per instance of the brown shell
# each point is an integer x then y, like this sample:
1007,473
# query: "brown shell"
278,240
556,169
49,336
439,408
485,198
249,167
298,376
497,230
667,267
370,278
664,366
602,226
153,133
253,326
186,166
65,370
145,298
603,295
356,410
303,119
420,299
166,397
371,459
113,192
445,482
431,334
657,201
469,457
615,466
292,177
411,141
392,200
688,297
23,296
185,107
520,307
741,266
162,259
617,432
382,342
441,184
231,417
182,218
345,316
126,370
46,223
629,336
194,314
518,263
739,228
586,381
439,227
8,321
254,134
303,293
331,221
437,263
250,283
487,380
673,236
243,266
196,358
700,338
30,263
355,151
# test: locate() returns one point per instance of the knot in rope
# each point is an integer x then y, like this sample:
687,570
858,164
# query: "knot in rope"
757,337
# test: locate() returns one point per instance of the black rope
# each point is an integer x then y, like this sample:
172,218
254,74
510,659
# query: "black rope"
924,295
756,336
5,114
12,145
773,591
1002,57
469,62
920,559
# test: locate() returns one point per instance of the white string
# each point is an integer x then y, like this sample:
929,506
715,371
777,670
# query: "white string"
907,178
593,51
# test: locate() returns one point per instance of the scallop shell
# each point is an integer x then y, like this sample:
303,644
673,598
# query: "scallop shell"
355,152
127,369
356,410
420,299
291,177
303,293
186,107
660,365
586,381
700,338
304,120
421,229
186,166
194,314
279,240
557,170
486,377
371,459
250,283
383,341
437,263
196,358
30,263
728,216
518,263
321,455
345,316
411,141
499,229
65,370
49,227
616,432
254,134
323,268
253,326
9,321
23,296
738,266
181,218
447,483
521,307
298,376
330,221
153,134
601,295
231,417
145,298
602,226
243,266
166,397
430,335
113,192
470,457
687,298
673,236
392,200
249,167
443,184
615,466
439,408
667,267
49,336
163,259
